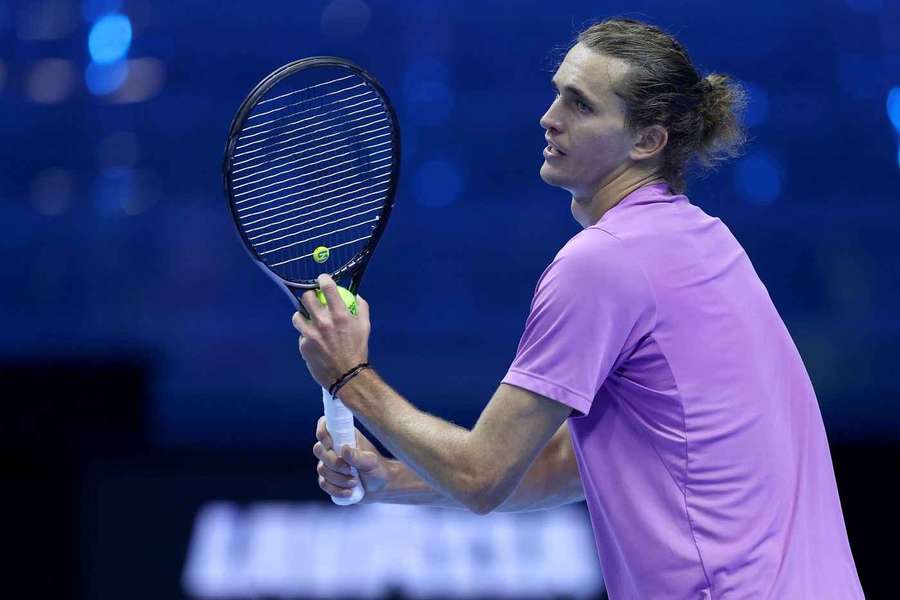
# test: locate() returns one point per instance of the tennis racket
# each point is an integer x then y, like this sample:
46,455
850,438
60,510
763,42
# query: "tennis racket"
311,167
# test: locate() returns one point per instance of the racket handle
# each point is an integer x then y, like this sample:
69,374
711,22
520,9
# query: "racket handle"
339,421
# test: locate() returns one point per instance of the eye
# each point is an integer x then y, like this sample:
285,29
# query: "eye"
582,106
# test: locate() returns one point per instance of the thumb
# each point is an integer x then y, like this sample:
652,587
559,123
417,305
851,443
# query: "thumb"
363,461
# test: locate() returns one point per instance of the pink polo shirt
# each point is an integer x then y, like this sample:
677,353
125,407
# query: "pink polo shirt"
699,439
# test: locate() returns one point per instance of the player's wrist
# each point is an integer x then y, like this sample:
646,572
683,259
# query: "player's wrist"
346,376
353,393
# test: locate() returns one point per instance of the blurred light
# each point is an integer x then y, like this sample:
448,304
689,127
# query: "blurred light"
50,81
46,20
145,191
52,191
145,77
118,149
110,38
866,6
345,19
112,190
893,107
103,79
426,91
437,183
91,10
254,551
758,178
124,190
859,75
757,105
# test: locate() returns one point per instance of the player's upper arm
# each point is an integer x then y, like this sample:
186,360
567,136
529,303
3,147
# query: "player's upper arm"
562,481
514,427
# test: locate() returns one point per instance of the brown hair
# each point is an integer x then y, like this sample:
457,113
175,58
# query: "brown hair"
662,87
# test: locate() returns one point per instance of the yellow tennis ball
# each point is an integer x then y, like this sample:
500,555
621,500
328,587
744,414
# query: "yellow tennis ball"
346,295
321,254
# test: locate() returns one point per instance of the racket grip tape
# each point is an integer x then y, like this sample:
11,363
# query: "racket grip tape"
339,421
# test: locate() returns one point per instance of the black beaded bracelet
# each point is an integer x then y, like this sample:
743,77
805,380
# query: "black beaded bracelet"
343,379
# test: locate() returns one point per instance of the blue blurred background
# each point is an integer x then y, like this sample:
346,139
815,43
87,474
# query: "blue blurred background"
136,332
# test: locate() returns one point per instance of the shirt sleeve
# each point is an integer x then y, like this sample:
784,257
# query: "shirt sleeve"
590,307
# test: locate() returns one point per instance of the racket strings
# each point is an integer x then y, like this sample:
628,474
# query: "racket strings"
307,156
315,172
301,90
298,144
354,162
356,213
294,104
353,175
258,238
382,179
290,260
321,235
297,166
317,125
309,149
282,123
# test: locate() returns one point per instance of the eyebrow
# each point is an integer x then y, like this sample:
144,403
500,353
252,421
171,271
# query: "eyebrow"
575,91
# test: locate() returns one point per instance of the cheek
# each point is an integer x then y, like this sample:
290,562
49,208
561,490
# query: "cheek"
595,152
607,146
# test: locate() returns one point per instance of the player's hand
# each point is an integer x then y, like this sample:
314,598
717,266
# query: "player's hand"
333,340
334,470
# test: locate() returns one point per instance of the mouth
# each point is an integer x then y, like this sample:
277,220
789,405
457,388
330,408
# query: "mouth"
552,150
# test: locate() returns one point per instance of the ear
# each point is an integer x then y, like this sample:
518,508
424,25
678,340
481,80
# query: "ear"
649,143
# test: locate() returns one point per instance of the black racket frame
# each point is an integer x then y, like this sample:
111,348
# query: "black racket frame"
357,265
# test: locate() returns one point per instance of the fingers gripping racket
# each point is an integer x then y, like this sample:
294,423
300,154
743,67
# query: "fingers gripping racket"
311,166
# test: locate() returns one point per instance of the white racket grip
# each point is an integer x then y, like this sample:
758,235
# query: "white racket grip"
339,421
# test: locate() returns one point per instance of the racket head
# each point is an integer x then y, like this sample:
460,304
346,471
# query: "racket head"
312,161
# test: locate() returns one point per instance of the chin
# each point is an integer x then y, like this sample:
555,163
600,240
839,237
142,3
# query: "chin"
549,177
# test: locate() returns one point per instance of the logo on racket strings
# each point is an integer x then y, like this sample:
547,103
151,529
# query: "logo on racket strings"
320,254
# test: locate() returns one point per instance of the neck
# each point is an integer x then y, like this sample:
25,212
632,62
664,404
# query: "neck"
588,209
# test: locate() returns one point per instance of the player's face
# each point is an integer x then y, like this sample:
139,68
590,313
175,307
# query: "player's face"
587,142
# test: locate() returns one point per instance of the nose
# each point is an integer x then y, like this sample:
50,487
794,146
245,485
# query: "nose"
551,119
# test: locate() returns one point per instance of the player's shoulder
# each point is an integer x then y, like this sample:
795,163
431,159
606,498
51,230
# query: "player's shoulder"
593,244
595,253
595,259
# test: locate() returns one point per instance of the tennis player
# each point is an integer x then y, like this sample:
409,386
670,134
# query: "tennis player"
654,379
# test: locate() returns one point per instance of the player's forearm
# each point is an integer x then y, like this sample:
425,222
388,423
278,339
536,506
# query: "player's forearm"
442,454
550,481
405,487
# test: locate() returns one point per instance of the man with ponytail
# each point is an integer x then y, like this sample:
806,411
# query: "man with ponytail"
654,379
